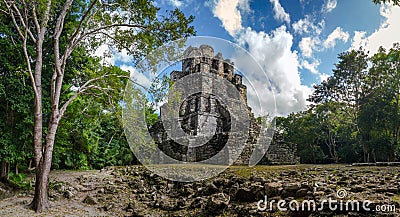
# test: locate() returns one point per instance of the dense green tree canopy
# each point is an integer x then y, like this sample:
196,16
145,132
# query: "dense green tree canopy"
355,113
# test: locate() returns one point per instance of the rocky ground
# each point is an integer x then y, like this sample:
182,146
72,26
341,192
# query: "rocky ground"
135,191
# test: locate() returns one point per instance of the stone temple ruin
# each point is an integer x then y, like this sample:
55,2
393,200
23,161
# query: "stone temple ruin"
201,111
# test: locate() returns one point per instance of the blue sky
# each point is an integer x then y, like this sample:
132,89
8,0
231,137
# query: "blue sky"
350,15
295,41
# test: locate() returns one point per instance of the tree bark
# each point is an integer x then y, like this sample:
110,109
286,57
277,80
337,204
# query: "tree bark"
8,168
3,173
16,168
40,200
30,165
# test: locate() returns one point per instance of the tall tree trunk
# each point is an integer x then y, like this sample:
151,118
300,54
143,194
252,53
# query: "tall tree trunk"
38,116
40,200
8,168
16,168
3,168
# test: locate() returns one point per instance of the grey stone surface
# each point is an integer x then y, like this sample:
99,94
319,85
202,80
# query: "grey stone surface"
202,115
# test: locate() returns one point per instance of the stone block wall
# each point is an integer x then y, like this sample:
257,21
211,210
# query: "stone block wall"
202,112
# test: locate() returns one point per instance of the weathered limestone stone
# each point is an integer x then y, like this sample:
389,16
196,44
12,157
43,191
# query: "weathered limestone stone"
203,114
280,152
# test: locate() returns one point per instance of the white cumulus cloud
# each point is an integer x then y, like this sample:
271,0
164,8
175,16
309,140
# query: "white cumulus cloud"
273,53
308,25
103,51
279,12
228,11
359,40
140,78
330,5
337,34
387,34
176,3
312,67
244,6
307,45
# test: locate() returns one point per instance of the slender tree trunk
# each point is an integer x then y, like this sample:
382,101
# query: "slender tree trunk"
16,168
365,154
8,168
38,117
3,173
30,165
374,156
40,201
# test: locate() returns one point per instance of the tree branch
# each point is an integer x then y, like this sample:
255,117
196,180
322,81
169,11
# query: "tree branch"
82,19
58,74
116,41
46,14
5,12
35,20
61,18
82,89
24,23
28,63
97,30
24,46
117,25
87,86
14,20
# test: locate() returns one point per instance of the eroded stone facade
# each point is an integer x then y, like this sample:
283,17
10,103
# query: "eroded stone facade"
202,113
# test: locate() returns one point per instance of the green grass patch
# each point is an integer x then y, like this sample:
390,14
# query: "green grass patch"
20,180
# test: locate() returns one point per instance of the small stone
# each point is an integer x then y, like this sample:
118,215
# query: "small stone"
108,207
258,191
68,194
198,202
292,187
170,186
357,188
387,189
306,185
257,179
218,201
273,189
245,195
89,200
301,193
2,191
210,189
168,204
